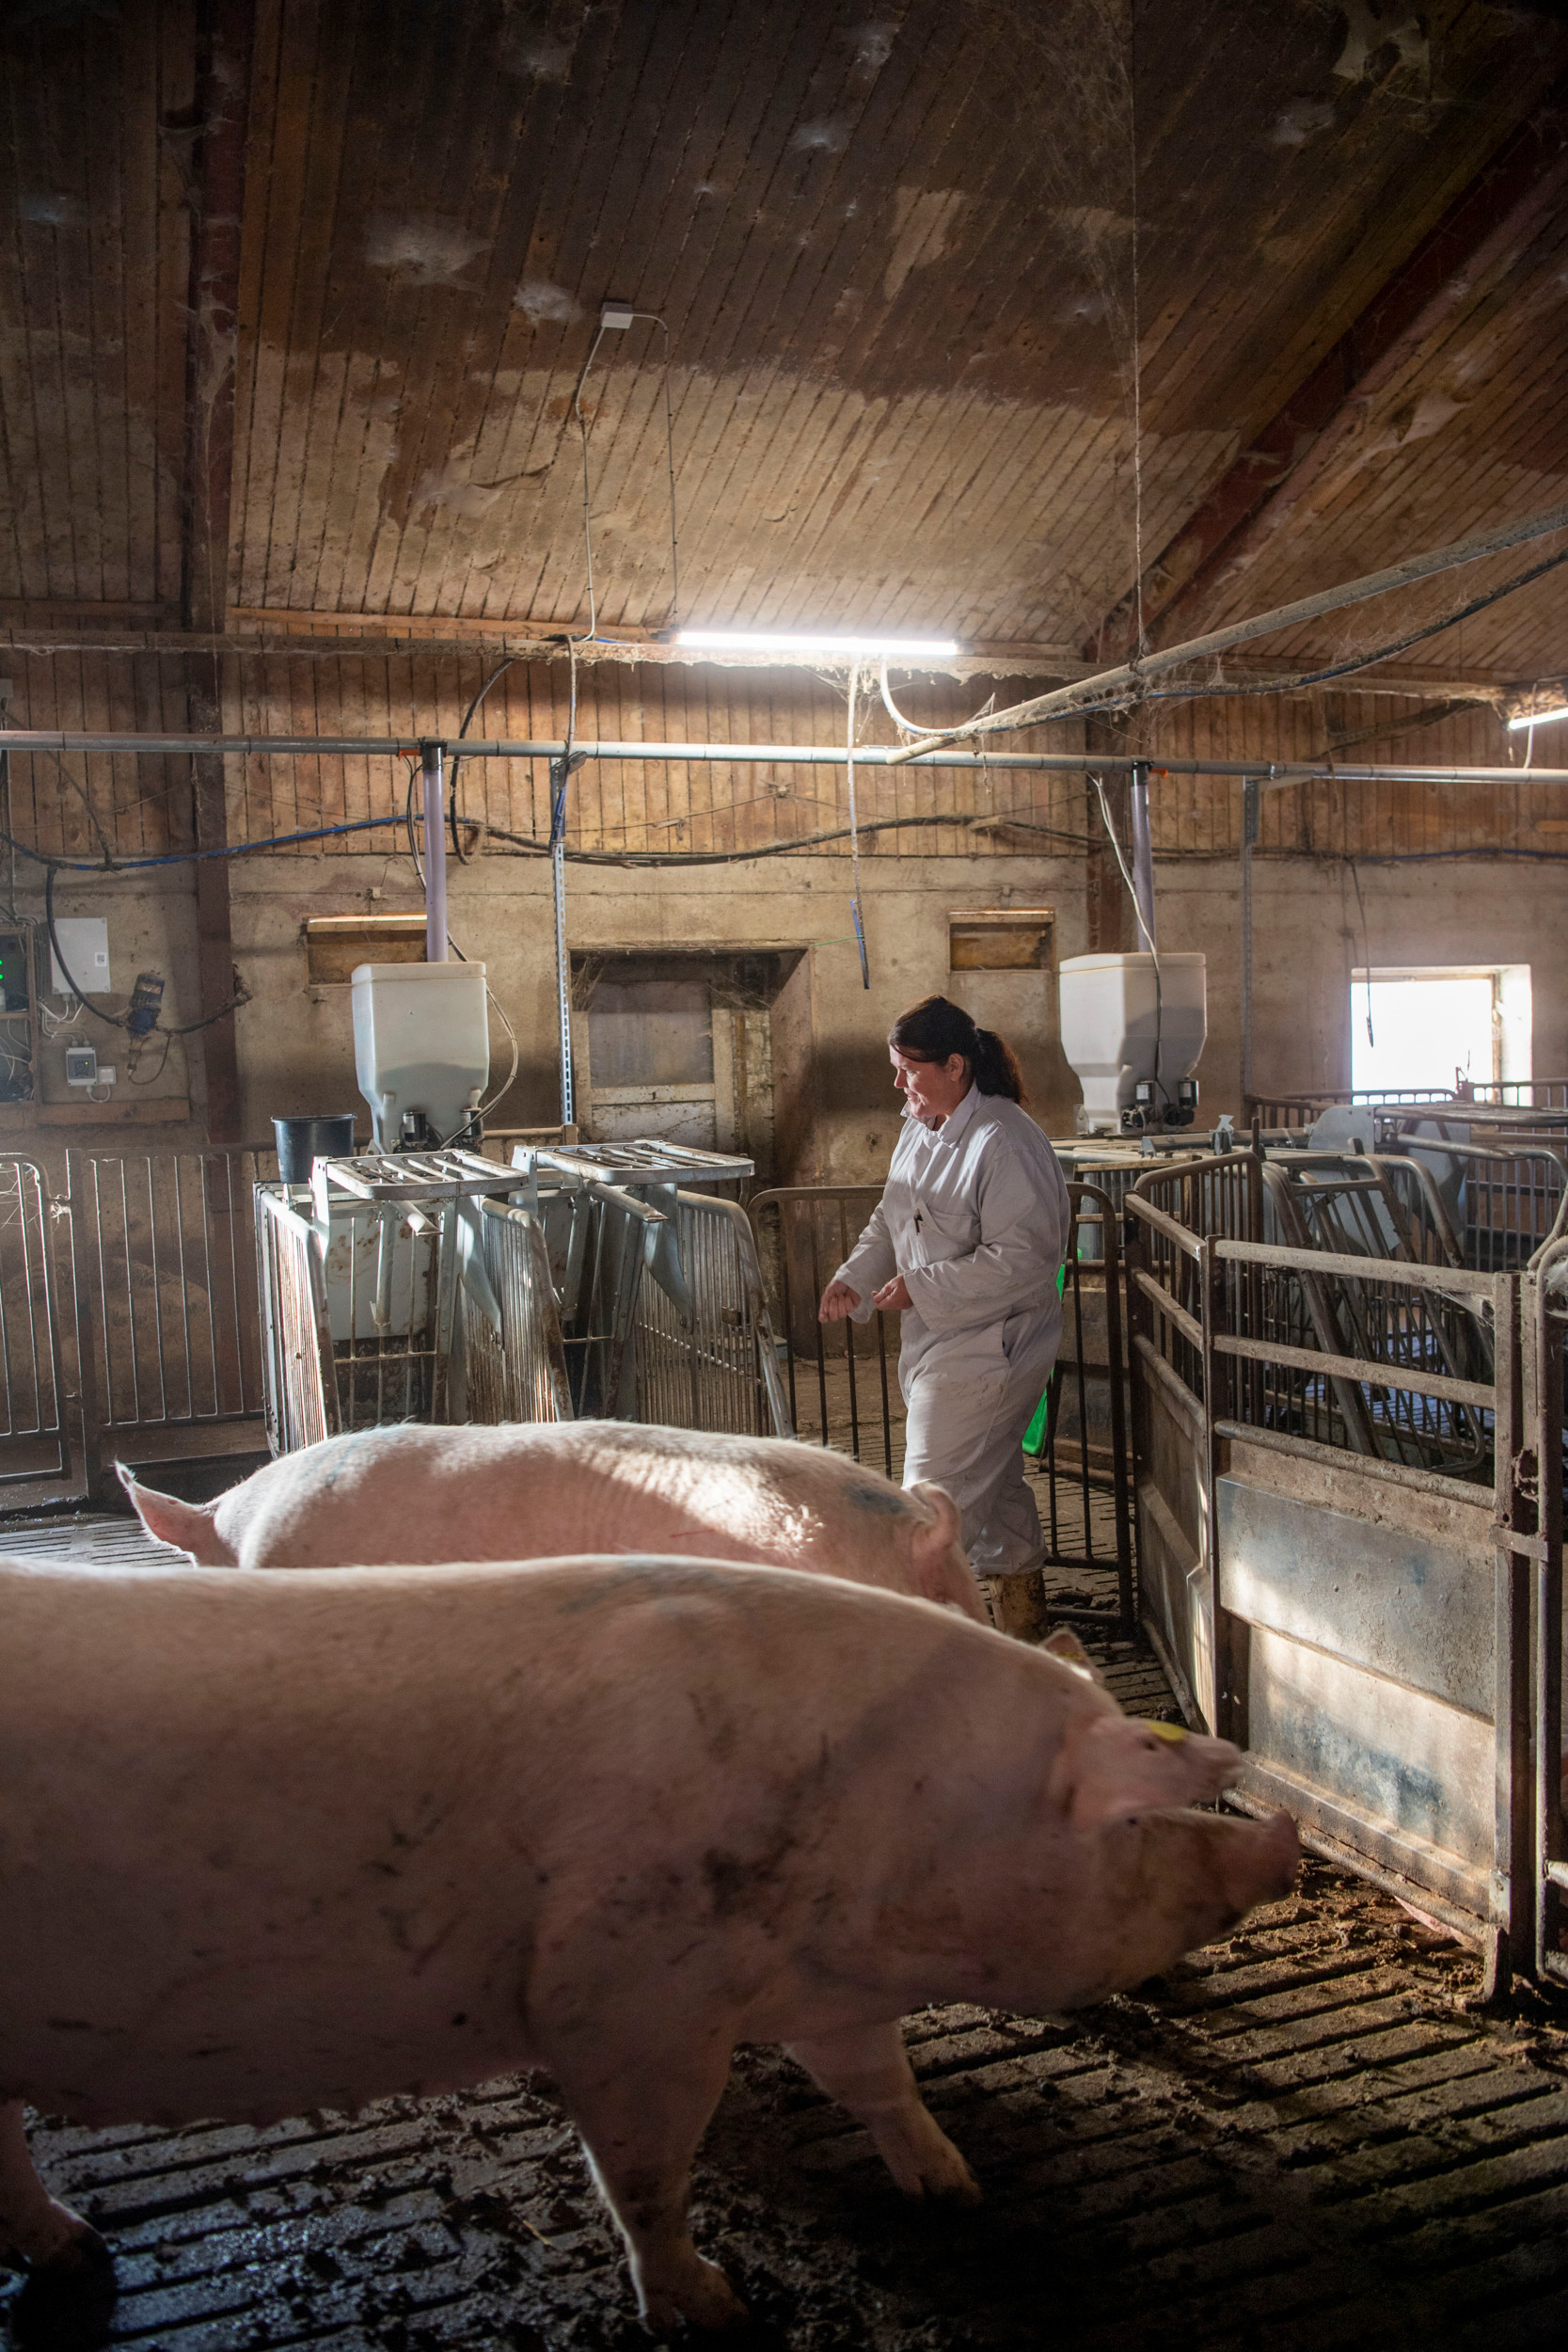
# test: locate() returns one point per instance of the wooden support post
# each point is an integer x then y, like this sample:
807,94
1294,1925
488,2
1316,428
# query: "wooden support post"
225,31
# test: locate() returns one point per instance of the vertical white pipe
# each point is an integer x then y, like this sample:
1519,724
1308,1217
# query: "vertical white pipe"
434,855
562,979
1249,837
1143,857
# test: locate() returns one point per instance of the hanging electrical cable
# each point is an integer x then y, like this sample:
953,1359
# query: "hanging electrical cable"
1366,948
1146,930
465,857
140,1021
854,831
561,776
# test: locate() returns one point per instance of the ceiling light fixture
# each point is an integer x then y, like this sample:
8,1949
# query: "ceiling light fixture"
820,645
1538,718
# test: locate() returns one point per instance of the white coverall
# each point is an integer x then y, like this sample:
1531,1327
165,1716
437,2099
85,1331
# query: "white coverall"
975,1216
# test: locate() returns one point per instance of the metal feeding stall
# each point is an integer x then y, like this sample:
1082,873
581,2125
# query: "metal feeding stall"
583,1281
1350,1478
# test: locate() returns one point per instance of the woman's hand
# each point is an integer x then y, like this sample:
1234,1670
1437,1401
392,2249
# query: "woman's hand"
838,1300
893,1297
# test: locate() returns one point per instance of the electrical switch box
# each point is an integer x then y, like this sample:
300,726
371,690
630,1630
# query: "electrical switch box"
85,945
81,1065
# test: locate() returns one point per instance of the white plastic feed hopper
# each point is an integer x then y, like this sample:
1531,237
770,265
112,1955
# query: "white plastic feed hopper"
1108,1028
421,1045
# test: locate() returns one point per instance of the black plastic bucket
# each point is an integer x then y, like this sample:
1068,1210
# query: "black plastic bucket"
303,1141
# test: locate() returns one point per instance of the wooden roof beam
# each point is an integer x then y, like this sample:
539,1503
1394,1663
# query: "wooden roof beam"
1485,229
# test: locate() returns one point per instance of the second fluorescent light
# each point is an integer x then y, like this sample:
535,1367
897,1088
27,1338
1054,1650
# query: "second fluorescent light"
1539,718
772,641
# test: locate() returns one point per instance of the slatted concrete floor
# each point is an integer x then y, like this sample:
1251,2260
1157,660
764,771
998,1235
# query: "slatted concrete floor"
1304,2137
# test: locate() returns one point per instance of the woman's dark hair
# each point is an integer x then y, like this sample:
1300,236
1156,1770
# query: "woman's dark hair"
935,1029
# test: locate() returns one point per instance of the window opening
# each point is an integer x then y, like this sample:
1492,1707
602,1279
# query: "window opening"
1438,1025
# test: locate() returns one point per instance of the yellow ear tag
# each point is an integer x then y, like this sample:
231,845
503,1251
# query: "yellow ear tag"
1166,1731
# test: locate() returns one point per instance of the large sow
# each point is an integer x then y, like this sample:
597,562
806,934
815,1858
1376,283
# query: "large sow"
537,1490
274,1842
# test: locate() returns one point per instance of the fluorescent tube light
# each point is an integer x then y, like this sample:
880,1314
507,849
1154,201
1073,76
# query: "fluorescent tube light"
1539,718
769,641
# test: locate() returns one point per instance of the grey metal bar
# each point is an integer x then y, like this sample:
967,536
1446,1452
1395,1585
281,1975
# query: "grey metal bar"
1276,776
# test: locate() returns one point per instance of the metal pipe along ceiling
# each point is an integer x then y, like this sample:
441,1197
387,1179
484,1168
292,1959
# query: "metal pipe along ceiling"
1278,775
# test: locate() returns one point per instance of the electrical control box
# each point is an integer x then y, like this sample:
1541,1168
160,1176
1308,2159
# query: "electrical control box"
85,945
81,1065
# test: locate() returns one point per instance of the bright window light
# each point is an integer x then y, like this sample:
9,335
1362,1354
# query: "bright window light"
771,641
1539,718
1430,1027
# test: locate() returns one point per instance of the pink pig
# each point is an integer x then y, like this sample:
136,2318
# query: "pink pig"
534,1491
274,1842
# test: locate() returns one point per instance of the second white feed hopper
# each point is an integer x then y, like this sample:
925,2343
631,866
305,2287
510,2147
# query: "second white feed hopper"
1108,1013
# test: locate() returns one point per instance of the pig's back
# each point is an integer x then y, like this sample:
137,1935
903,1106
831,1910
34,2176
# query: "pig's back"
228,1790
419,1496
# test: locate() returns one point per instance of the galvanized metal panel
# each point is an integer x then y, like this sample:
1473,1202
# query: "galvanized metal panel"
1389,1755
1388,1598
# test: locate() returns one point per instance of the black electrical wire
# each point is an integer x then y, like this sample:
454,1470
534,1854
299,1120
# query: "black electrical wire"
122,1020
465,857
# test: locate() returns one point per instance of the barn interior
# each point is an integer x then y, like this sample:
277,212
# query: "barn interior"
657,533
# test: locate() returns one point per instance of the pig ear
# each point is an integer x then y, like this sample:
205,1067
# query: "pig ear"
947,1525
1113,1771
186,1525
1064,1643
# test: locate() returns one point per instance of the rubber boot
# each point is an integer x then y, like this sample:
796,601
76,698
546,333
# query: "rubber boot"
1017,1606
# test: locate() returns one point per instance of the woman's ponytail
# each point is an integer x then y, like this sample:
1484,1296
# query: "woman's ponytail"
995,1066
936,1028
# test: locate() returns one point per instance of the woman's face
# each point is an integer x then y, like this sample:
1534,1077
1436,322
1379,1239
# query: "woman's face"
932,1089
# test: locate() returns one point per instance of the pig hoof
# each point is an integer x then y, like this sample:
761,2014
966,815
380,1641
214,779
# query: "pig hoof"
704,2299
950,2184
67,2303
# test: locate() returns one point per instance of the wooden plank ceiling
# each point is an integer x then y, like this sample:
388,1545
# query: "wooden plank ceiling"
892,242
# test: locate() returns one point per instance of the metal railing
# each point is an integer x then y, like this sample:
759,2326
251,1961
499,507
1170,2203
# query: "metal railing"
33,1436
1325,1483
513,1360
1544,1332
1302,1110
706,1356
165,1277
299,1374
842,1383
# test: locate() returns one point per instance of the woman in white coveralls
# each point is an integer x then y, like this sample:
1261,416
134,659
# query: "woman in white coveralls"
966,1244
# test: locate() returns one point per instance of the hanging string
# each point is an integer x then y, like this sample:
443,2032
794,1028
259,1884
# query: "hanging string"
1137,336
854,831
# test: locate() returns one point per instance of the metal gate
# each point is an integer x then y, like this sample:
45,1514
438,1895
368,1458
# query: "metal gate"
706,1356
42,1429
1544,1335
128,1303
163,1259
1328,1493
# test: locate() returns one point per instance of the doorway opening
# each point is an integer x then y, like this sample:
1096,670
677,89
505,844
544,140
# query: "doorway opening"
679,1047
1438,1025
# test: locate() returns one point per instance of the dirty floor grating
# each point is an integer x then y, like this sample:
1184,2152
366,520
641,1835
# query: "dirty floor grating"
1302,2137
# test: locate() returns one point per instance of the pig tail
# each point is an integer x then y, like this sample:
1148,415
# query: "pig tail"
937,1028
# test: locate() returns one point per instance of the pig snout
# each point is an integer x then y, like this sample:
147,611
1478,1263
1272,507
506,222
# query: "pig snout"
1119,1766
1260,1864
